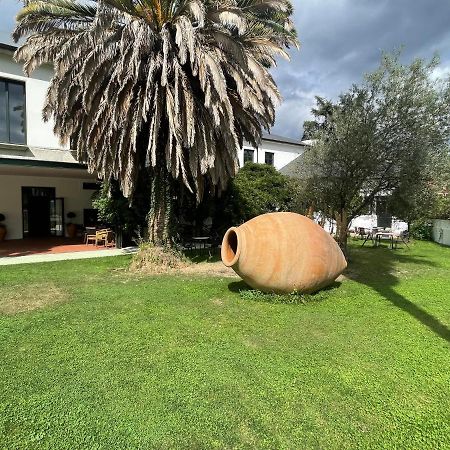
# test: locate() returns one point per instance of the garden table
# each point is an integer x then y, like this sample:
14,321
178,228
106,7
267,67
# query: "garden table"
202,241
387,235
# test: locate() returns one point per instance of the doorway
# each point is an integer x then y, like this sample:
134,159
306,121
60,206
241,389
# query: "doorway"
42,212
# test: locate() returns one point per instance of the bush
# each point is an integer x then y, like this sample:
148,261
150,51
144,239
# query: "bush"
256,189
422,230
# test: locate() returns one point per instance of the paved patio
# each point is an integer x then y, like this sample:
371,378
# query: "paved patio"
23,251
25,247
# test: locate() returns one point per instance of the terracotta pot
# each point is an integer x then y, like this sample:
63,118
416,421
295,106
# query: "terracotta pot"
71,230
283,253
3,232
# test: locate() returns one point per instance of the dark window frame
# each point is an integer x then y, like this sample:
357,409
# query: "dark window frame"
91,186
272,157
253,155
9,81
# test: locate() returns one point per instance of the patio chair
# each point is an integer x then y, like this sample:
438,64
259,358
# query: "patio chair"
105,237
89,234
402,237
94,238
362,232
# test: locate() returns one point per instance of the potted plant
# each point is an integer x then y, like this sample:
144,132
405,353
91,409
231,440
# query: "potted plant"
2,228
71,227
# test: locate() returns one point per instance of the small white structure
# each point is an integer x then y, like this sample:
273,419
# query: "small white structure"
441,231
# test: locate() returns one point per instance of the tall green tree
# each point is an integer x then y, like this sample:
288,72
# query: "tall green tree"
169,87
385,136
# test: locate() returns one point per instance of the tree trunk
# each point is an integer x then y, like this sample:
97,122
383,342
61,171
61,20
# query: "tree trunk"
160,215
342,231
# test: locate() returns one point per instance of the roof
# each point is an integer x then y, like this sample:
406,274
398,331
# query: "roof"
8,47
283,139
298,168
39,163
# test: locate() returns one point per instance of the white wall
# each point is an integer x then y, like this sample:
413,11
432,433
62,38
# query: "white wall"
39,133
370,221
71,189
284,153
441,231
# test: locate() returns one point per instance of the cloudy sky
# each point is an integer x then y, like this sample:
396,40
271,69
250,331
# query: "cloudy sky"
340,41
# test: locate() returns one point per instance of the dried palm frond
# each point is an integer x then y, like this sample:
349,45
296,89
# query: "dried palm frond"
139,84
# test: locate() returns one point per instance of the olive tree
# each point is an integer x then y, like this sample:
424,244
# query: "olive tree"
383,136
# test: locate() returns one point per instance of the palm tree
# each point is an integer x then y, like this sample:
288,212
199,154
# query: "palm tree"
168,87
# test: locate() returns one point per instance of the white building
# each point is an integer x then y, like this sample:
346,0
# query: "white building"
275,150
41,181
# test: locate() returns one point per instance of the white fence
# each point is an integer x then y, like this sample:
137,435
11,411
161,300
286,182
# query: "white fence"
441,231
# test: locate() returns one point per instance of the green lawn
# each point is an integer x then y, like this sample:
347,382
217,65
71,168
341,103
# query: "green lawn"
108,360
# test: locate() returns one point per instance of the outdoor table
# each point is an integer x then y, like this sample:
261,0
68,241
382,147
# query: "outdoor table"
384,235
394,238
202,240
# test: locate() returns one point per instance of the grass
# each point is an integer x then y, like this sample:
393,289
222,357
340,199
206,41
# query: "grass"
92,357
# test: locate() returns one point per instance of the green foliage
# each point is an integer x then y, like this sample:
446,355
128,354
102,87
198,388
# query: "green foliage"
421,229
258,296
114,209
443,207
256,189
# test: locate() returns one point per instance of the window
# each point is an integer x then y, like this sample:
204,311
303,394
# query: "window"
269,158
91,186
249,155
12,112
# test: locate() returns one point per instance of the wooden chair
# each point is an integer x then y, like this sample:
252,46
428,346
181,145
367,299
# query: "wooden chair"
105,237
89,234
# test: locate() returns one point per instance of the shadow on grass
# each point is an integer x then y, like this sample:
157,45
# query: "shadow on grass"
247,293
203,255
378,272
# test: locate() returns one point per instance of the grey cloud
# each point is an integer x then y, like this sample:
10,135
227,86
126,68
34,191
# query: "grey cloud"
343,39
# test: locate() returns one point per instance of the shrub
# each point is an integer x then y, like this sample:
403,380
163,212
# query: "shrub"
256,189
422,230
115,210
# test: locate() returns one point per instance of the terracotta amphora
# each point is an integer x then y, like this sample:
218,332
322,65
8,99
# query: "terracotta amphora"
283,253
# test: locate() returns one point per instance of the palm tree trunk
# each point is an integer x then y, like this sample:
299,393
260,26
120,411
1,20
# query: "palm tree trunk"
160,215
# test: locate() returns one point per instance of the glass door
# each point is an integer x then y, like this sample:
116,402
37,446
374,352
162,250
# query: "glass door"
36,211
57,217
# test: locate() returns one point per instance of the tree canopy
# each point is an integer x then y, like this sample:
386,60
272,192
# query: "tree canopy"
386,136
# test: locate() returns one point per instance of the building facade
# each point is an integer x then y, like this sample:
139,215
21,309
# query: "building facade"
41,182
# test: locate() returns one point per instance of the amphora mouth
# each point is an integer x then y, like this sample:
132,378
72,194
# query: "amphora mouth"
230,247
